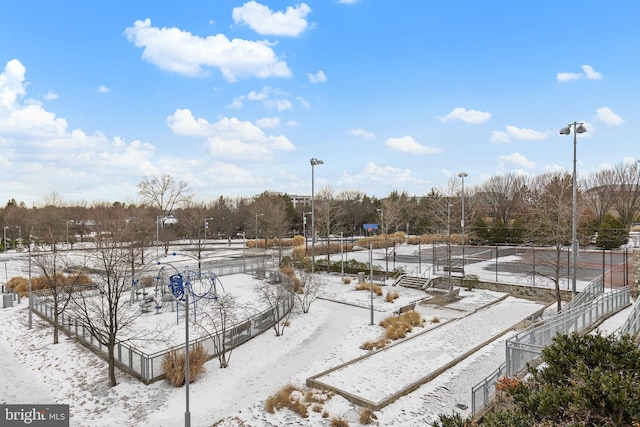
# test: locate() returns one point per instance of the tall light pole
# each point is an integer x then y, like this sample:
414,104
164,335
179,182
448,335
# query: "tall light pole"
304,228
386,243
206,226
187,373
462,175
314,162
5,239
257,215
578,127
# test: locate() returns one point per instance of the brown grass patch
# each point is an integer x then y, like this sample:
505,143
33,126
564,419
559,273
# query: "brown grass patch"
346,280
377,289
297,400
339,422
391,296
435,319
374,345
397,327
298,253
367,416
173,365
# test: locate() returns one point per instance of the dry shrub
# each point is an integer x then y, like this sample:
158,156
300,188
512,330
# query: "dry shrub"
289,397
377,289
288,270
391,296
374,345
173,365
398,327
298,241
280,399
325,414
147,281
298,253
346,280
19,285
508,383
367,416
435,319
316,408
339,422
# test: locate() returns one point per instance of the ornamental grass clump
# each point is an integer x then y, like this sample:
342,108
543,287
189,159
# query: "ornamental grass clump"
173,365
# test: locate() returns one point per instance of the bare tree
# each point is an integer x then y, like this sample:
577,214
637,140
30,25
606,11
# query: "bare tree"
310,289
500,196
626,192
222,314
108,314
550,220
58,285
275,297
164,193
597,194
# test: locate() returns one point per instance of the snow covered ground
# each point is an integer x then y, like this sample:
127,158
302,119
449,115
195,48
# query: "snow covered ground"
36,371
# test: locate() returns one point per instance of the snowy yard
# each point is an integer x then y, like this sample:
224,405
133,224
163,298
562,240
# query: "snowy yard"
326,337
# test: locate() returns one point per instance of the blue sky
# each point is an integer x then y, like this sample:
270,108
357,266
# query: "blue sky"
235,97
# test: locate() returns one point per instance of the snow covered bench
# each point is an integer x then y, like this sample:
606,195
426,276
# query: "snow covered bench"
405,308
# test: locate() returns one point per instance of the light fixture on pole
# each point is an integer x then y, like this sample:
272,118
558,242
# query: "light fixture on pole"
187,373
462,175
578,127
314,162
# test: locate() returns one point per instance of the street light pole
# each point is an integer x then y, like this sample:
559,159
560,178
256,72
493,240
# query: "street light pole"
5,239
386,244
313,162
578,127
187,373
257,215
304,228
462,175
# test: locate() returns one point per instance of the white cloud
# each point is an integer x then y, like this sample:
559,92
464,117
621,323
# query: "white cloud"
26,119
519,160
527,134
268,122
229,137
567,77
499,137
348,1
11,83
391,176
318,77
50,96
265,96
467,116
608,117
181,52
103,89
363,133
587,71
283,104
305,104
590,73
264,21
407,144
